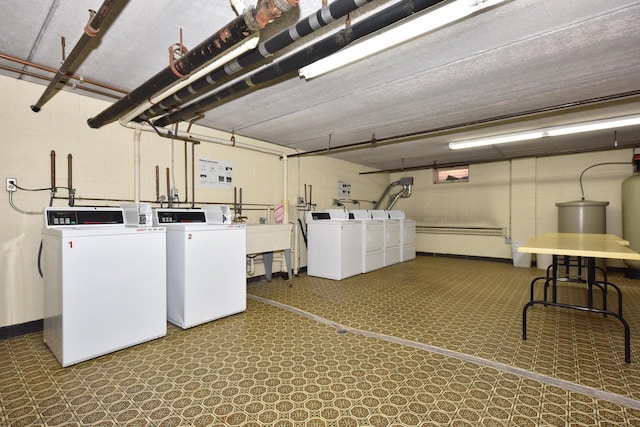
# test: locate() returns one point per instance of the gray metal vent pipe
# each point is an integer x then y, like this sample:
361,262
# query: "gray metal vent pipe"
252,20
323,17
407,186
310,54
90,31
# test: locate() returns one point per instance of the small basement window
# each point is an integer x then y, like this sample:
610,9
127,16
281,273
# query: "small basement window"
446,175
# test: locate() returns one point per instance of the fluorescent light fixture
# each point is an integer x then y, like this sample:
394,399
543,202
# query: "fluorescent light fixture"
386,39
616,122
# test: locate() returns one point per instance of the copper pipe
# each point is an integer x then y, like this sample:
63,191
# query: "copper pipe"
53,70
91,29
186,175
169,189
157,182
63,45
72,85
69,171
53,169
70,189
193,173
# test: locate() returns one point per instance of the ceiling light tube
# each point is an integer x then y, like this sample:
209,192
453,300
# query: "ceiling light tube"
404,32
612,123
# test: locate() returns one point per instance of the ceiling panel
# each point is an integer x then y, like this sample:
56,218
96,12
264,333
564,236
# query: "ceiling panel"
520,56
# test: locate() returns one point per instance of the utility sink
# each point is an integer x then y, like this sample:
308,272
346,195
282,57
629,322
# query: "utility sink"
268,237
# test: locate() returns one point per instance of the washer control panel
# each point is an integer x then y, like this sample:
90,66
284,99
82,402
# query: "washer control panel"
177,216
88,216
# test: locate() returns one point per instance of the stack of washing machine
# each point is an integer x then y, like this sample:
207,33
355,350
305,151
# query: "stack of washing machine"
206,261
372,240
407,235
104,283
334,245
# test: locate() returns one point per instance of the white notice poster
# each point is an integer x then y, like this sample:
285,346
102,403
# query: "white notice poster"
215,173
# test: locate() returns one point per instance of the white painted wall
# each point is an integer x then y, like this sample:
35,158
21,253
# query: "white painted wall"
103,162
518,195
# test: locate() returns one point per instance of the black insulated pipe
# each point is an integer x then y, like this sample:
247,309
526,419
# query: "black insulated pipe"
323,17
90,31
310,54
251,21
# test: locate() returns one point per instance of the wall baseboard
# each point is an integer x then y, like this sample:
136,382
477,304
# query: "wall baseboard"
471,257
13,331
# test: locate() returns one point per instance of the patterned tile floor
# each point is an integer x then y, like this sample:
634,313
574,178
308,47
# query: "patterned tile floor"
435,341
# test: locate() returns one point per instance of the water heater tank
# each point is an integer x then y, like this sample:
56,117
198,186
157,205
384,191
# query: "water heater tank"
630,223
582,216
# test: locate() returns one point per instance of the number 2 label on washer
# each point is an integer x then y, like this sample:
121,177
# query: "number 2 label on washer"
189,236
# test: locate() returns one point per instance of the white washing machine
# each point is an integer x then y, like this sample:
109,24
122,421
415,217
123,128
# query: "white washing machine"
391,237
407,235
104,283
206,252
372,240
334,245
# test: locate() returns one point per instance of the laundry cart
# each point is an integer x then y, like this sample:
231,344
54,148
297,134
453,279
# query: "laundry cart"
206,262
104,284
334,245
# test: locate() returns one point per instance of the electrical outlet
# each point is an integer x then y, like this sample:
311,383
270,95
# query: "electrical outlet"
11,184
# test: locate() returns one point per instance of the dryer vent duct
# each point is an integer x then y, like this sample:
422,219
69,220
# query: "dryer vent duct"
407,186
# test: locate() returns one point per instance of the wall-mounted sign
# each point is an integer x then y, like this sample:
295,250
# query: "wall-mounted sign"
344,189
215,173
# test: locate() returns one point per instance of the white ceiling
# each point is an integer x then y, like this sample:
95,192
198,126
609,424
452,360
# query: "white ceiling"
521,56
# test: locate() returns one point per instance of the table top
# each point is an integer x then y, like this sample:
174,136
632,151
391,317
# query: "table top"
580,244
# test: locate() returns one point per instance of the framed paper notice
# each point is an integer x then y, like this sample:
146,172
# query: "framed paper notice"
215,173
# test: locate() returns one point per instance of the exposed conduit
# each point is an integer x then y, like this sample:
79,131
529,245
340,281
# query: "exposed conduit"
323,17
91,30
248,44
405,182
252,20
306,56
47,78
378,142
196,138
136,164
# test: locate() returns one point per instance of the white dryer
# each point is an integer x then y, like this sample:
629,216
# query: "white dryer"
407,235
206,277
391,237
334,245
104,283
372,240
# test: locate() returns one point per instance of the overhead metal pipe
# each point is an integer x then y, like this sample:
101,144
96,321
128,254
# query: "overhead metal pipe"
458,127
323,17
405,182
71,85
90,31
53,70
252,20
306,56
52,156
